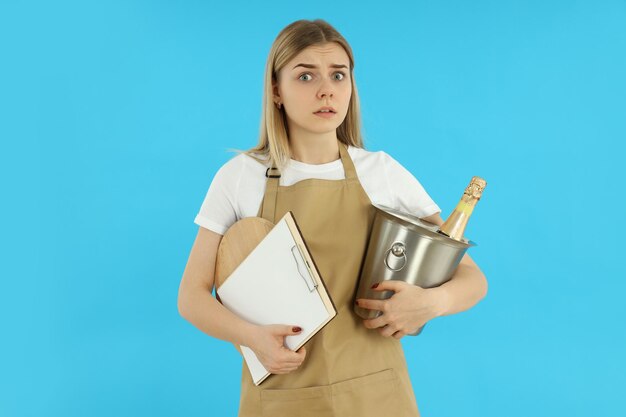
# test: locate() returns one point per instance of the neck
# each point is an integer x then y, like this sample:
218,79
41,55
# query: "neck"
315,149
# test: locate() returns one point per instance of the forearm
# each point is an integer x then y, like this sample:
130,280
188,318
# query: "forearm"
466,288
207,314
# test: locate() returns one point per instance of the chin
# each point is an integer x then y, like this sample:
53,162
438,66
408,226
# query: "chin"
320,126
323,130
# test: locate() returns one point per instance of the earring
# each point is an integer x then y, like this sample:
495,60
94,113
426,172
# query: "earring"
279,105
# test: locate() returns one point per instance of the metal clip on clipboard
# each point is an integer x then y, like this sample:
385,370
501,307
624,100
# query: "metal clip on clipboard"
307,276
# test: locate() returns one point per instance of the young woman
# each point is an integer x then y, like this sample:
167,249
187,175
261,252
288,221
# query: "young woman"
310,133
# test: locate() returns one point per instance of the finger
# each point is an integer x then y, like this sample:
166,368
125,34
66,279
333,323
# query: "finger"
292,358
287,330
286,370
301,352
289,367
370,304
375,323
389,285
387,331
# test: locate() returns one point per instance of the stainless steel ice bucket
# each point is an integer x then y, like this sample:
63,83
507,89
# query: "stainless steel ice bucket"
404,248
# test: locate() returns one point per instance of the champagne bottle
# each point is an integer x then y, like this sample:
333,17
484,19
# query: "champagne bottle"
455,224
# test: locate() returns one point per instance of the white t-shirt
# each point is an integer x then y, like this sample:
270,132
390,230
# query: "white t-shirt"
239,185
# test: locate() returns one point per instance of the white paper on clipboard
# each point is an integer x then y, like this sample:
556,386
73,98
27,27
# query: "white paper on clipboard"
278,283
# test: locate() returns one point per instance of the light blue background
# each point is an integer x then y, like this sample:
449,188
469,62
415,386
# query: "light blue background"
115,116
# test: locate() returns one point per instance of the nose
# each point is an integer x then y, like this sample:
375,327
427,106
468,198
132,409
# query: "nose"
325,90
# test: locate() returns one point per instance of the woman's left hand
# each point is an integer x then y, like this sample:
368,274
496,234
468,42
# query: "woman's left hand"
408,309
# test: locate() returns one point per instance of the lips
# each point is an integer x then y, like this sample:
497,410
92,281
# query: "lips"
326,109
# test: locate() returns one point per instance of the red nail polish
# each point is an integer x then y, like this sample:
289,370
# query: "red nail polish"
375,285
296,329
356,302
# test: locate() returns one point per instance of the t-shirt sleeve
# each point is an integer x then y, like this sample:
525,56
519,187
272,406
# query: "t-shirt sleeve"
407,194
219,208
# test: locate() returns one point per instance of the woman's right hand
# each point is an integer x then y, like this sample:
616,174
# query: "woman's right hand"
268,346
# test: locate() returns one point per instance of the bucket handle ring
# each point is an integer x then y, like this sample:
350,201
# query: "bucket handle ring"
397,250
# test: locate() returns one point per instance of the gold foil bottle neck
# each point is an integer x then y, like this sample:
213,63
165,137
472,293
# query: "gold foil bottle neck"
476,187
455,224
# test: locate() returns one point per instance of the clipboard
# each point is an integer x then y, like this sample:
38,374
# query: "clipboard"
278,283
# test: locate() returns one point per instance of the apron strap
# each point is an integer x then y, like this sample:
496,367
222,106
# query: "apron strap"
348,165
271,194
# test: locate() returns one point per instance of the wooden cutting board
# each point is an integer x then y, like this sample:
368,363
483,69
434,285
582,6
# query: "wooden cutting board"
237,243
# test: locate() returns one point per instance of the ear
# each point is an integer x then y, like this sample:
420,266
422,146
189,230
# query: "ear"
276,88
275,91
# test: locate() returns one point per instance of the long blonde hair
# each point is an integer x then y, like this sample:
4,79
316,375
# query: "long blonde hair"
273,138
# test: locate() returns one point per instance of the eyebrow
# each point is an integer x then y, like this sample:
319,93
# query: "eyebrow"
315,66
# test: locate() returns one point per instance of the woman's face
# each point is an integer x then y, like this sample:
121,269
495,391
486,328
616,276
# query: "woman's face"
317,77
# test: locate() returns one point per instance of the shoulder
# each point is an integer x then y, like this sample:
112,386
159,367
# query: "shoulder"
243,174
366,159
240,165
376,163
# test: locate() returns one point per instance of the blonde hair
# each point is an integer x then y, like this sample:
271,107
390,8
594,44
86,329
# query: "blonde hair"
273,138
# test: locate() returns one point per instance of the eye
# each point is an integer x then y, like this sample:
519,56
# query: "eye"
303,75
341,74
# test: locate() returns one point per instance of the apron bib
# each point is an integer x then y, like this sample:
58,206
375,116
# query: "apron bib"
348,370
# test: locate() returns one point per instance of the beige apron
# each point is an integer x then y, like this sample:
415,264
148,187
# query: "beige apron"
349,370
